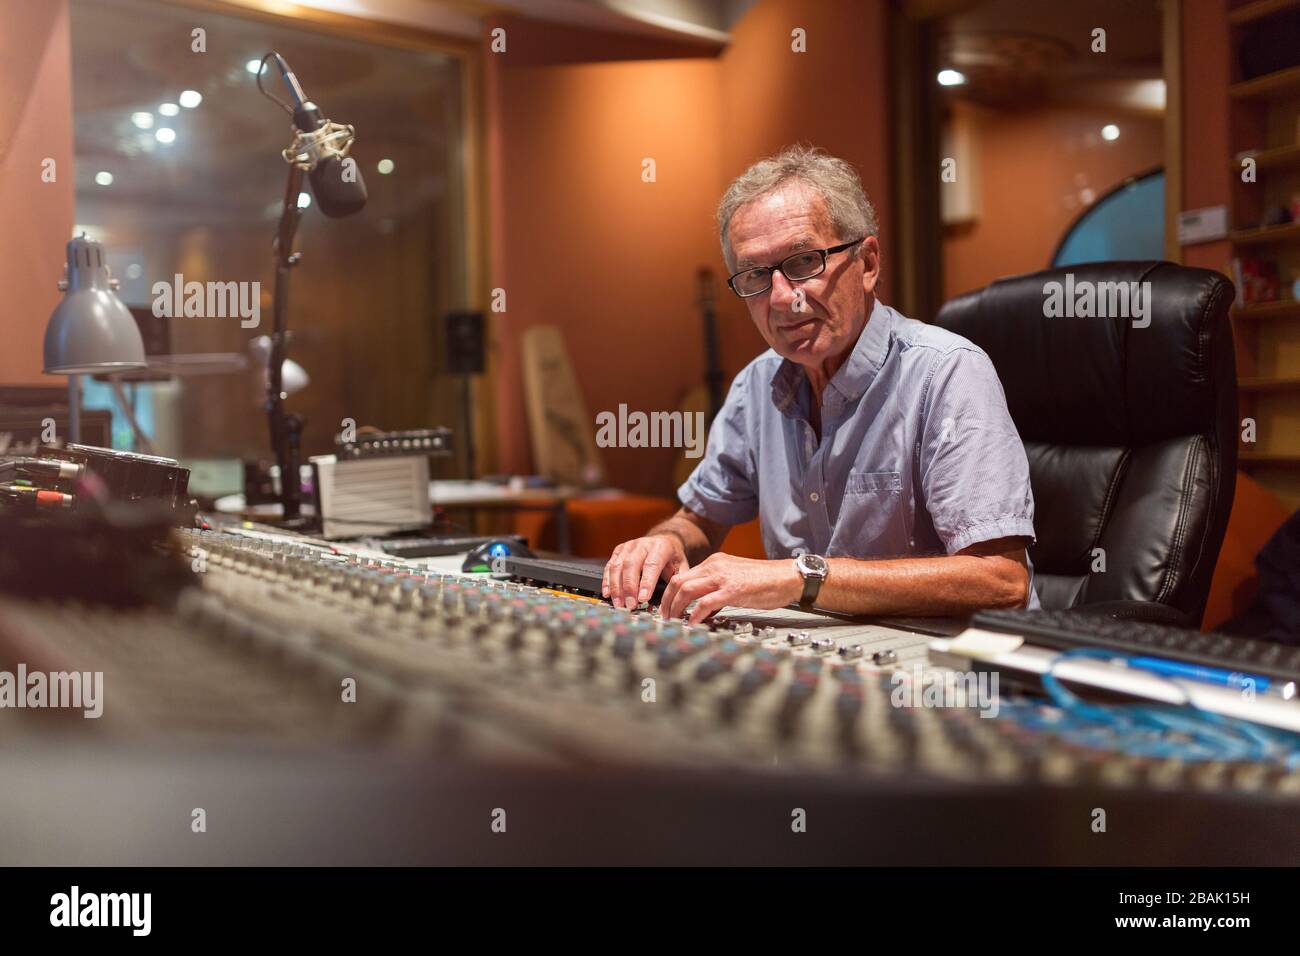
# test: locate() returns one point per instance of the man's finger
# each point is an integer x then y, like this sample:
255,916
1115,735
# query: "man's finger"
708,605
670,590
630,576
604,579
614,571
691,587
649,575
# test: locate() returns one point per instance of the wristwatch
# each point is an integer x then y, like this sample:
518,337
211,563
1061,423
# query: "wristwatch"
812,568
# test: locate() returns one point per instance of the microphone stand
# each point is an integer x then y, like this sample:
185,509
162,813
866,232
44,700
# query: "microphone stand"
310,131
286,427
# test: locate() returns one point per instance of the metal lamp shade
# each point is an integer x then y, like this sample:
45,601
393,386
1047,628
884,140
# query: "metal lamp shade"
91,331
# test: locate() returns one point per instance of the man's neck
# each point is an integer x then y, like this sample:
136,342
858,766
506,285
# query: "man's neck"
820,376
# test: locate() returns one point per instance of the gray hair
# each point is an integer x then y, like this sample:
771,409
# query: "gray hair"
836,181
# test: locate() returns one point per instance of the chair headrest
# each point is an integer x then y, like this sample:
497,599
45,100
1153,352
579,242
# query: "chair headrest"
1110,353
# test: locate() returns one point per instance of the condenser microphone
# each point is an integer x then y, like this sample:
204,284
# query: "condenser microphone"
321,147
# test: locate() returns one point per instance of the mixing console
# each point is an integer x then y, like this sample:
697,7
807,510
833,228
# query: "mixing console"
314,648
279,633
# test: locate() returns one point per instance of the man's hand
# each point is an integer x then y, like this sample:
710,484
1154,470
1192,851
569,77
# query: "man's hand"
636,566
723,579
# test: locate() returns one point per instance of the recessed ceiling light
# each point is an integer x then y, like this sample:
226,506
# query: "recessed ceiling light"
385,166
104,178
1110,132
255,66
168,109
190,98
142,120
304,200
951,78
165,135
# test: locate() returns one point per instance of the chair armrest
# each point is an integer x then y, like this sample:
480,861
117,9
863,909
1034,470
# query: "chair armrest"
1149,612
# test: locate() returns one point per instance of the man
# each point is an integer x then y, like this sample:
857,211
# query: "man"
877,451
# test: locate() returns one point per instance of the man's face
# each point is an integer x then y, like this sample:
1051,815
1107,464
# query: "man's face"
818,319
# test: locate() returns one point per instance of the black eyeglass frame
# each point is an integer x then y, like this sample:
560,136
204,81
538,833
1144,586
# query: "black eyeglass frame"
780,266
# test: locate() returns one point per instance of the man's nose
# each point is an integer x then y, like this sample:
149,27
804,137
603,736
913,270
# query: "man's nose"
783,291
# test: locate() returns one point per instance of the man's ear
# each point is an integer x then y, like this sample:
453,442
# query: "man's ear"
869,251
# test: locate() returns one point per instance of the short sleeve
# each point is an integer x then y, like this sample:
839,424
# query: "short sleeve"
723,488
973,470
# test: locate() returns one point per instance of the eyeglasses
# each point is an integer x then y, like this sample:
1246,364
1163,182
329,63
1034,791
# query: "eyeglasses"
797,268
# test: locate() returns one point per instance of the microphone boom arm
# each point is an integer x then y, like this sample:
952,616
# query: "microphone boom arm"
318,147
286,428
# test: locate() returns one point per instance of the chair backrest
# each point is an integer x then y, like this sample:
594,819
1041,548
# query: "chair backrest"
1121,379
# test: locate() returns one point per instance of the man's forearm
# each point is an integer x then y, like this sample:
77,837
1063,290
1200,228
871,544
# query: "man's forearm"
954,585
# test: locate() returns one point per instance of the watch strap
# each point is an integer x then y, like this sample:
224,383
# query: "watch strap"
812,585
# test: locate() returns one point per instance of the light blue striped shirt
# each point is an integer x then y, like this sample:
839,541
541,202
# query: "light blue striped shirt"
918,454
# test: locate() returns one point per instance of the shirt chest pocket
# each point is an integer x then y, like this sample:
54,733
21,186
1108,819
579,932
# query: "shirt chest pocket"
873,520
874,482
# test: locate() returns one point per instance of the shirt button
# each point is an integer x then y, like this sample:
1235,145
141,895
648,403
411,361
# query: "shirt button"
814,497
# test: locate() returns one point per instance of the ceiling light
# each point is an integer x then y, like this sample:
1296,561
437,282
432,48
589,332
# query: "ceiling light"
168,109
951,78
142,120
164,135
104,178
385,166
1110,132
190,99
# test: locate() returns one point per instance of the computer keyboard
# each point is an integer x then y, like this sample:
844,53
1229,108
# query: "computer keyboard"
440,545
578,576
1070,629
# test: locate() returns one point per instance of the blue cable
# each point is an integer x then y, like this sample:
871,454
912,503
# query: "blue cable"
1151,730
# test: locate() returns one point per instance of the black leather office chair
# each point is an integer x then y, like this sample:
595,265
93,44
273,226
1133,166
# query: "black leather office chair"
1131,433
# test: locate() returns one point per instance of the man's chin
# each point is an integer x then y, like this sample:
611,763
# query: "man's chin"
799,341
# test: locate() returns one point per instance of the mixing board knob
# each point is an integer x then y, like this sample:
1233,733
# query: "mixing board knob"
624,642
799,639
428,600
711,668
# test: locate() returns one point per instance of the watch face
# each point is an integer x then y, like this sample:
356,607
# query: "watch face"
813,564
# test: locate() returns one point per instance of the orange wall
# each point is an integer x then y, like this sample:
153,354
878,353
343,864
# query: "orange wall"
836,96
565,141
581,242
1206,140
37,217
1033,166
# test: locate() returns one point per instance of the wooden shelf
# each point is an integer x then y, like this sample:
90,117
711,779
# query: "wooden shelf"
1249,12
1270,85
1256,384
1266,102
1277,157
1265,234
1264,311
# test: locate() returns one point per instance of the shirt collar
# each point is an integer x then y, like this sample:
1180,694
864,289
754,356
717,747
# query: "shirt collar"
855,375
